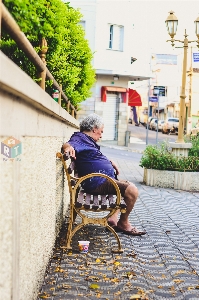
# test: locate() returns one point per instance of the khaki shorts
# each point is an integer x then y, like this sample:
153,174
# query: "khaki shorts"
108,188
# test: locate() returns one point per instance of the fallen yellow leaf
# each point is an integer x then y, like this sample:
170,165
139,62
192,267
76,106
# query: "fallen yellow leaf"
135,296
115,280
58,269
178,280
94,286
117,293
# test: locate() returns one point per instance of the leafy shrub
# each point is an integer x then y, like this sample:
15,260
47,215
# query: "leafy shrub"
160,157
194,151
69,57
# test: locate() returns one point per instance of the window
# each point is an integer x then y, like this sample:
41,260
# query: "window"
116,37
83,24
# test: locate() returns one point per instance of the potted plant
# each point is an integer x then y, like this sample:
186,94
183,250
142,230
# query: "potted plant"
163,169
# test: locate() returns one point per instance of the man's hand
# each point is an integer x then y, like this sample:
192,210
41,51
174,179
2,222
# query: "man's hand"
67,148
115,167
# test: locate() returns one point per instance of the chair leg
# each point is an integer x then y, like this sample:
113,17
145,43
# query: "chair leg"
119,250
70,227
74,215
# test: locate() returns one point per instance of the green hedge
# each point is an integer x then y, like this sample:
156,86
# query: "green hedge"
160,157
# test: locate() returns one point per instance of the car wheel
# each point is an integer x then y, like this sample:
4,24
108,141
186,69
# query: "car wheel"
162,131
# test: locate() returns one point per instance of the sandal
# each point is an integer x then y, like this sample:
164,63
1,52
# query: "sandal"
134,231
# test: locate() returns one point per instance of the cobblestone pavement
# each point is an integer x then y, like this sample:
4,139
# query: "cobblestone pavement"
163,264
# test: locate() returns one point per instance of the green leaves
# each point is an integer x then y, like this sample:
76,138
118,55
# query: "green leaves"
68,56
161,158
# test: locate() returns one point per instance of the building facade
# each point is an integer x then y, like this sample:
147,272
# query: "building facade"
110,38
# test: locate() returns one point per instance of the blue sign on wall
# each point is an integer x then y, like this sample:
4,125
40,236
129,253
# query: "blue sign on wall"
153,99
196,57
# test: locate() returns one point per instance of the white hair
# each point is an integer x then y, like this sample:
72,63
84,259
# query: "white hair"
90,122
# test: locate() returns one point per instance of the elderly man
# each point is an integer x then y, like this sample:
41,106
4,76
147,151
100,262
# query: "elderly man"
83,147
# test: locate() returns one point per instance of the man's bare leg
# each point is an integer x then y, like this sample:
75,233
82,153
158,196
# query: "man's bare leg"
114,219
130,197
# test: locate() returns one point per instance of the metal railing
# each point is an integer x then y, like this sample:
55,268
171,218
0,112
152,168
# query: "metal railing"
12,28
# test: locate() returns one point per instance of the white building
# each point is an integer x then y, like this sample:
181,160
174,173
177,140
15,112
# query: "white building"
166,77
109,29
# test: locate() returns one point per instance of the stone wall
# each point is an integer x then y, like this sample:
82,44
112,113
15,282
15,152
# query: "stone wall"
34,195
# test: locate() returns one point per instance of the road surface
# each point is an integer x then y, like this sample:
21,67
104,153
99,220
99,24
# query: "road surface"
138,133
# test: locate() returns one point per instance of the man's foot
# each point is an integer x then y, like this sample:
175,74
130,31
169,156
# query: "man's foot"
112,223
133,231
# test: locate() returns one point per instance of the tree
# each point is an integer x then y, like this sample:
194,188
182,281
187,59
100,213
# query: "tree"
68,57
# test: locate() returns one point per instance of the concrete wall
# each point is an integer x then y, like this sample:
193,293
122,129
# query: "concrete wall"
34,195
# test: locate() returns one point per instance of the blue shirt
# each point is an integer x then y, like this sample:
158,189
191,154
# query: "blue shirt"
89,159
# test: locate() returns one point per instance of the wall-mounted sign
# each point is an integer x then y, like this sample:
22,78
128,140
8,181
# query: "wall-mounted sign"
162,90
153,99
196,57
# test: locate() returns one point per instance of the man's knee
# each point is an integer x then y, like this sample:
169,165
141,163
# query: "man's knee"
132,191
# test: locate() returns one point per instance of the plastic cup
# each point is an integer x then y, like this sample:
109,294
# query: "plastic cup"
83,246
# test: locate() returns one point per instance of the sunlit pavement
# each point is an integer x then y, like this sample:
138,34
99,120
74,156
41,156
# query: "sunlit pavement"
163,264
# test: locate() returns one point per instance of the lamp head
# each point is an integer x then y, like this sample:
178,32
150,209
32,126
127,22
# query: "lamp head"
197,26
171,23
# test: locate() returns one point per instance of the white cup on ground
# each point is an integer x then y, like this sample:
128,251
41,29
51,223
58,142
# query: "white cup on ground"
83,246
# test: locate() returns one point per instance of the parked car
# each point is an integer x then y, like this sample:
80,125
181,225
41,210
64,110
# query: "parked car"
170,125
160,125
153,124
149,121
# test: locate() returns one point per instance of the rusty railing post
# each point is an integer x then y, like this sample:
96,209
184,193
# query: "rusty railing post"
68,106
59,100
42,54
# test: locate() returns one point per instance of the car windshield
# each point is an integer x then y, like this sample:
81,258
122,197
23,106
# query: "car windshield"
173,120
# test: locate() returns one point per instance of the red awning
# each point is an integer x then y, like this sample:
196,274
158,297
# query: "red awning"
121,90
134,98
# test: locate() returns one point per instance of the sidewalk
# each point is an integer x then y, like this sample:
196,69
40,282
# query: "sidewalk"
163,264
133,146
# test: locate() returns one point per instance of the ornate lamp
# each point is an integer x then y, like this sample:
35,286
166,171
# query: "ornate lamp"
172,24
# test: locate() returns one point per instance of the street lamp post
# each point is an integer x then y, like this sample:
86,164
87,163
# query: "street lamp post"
172,23
156,92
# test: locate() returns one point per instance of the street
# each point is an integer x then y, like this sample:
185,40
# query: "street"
140,132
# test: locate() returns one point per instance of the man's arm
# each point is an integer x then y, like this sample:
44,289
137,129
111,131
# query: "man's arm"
68,148
115,167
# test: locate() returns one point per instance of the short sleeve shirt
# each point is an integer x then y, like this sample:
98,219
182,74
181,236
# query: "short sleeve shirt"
89,159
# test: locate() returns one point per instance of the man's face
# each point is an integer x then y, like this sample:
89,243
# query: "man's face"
97,133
